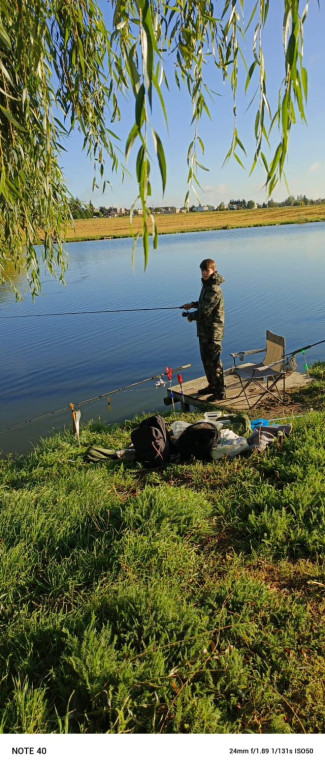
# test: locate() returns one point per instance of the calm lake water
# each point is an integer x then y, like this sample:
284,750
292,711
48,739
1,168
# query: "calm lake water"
274,278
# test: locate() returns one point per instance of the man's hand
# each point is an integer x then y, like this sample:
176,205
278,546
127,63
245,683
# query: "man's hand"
187,306
189,318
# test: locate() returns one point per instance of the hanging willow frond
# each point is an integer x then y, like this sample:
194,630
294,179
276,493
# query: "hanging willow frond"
62,66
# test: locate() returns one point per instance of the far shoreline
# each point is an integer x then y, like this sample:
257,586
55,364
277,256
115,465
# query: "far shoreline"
179,223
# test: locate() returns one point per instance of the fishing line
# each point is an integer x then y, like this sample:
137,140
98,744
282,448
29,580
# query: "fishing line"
136,383
88,400
89,312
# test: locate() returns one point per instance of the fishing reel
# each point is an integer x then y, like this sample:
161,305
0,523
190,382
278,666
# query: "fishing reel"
185,314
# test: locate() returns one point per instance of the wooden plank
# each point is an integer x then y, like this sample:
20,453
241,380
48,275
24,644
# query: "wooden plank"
234,399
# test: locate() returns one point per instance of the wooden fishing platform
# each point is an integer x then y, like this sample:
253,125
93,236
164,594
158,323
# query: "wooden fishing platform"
235,400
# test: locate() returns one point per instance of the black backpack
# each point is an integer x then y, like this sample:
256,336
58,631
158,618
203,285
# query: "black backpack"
151,442
197,440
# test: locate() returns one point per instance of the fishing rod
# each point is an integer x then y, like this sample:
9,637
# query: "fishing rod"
89,400
290,355
303,349
127,386
89,312
285,358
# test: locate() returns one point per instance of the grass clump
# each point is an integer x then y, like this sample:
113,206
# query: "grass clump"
185,600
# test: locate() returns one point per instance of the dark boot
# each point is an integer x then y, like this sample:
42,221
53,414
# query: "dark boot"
217,396
205,391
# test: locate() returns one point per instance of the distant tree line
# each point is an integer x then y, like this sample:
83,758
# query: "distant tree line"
81,210
289,201
241,204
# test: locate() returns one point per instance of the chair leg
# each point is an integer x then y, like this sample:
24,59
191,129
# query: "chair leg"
242,391
271,384
275,384
268,390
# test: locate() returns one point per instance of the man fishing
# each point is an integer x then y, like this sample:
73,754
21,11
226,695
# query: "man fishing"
210,319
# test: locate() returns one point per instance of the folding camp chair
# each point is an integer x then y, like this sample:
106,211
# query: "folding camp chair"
266,374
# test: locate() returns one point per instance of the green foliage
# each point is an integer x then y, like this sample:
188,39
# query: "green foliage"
52,59
162,509
188,600
61,67
80,210
26,712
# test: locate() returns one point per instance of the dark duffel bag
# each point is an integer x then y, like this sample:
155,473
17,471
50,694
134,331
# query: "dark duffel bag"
197,440
151,442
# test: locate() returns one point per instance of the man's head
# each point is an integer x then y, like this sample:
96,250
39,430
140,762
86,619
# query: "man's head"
208,267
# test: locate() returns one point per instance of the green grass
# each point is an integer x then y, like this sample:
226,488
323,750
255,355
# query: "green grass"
186,600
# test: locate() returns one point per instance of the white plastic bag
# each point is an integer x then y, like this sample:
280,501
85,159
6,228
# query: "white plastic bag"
178,427
229,444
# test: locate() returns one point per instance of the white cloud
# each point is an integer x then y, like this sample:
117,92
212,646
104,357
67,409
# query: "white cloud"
314,167
219,188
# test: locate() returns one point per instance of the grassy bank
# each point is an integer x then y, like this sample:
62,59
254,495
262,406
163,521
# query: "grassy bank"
185,600
97,229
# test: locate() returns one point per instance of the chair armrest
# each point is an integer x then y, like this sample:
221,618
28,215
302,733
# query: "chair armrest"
241,355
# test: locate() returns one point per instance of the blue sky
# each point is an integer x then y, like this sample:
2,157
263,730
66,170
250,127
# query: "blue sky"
306,159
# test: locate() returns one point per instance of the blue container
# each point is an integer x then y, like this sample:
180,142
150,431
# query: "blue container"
257,423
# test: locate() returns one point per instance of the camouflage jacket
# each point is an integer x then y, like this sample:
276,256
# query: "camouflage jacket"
210,312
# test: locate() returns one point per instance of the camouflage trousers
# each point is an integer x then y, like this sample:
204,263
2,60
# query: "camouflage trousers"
210,355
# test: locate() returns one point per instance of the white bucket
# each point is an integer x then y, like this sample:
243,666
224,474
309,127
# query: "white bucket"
212,416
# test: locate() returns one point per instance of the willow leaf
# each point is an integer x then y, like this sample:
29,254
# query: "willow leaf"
11,118
251,17
250,73
161,98
203,167
265,162
240,144
238,160
6,73
130,140
139,106
275,160
161,159
145,240
155,236
291,50
304,78
4,37
140,164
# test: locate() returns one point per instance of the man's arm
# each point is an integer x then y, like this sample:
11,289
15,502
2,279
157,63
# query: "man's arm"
190,305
